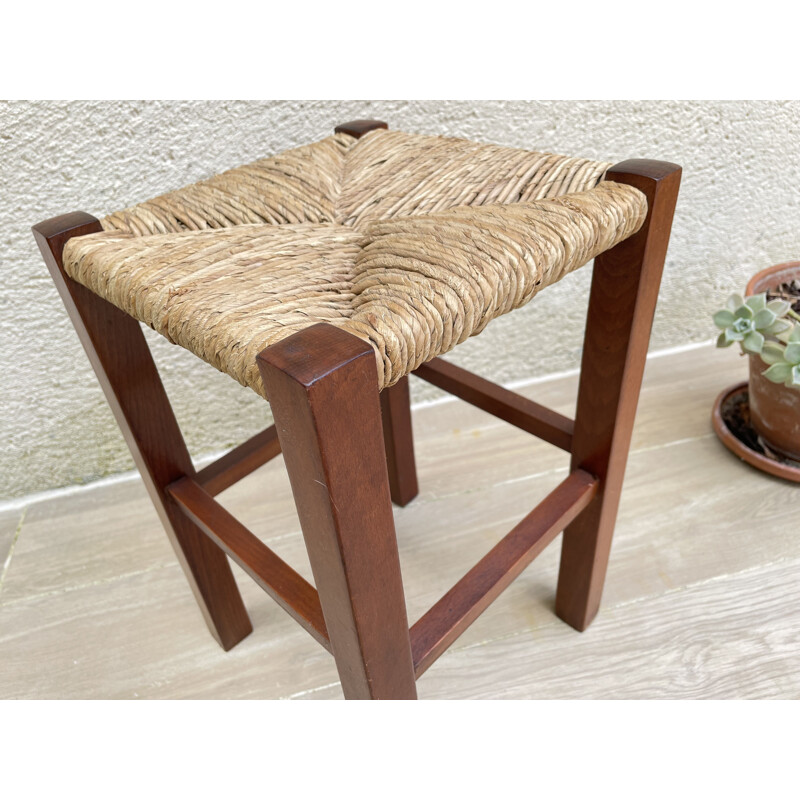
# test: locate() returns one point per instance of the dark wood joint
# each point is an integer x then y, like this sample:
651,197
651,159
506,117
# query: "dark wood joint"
317,351
358,127
655,179
645,168
52,234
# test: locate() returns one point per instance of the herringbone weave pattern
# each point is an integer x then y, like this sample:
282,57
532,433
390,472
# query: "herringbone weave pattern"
413,243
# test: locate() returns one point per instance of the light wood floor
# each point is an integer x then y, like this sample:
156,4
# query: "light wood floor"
702,598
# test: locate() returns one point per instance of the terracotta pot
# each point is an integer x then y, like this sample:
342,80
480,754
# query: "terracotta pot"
774,408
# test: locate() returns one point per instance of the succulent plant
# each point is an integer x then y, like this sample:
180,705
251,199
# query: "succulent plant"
783,360
750,321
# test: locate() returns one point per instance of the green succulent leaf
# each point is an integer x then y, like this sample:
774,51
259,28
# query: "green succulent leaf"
778,307
778,373
792,353
794,336
724,318
732,336
757,302
763,319
777,327
744,312
723,341
733,302
794,379
772,353
753,342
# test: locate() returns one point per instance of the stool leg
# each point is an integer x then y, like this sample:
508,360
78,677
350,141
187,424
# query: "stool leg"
327,414
622,303
399,442
127,374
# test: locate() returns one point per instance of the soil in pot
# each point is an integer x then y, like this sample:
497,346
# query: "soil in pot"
789,291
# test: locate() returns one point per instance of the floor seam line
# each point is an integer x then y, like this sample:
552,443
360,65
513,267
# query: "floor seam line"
101,582
17,533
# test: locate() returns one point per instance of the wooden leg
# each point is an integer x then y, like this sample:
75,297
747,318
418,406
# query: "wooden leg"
121,359
322,385
621,307
399,442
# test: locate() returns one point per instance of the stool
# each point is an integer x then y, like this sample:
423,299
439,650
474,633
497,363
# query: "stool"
321,278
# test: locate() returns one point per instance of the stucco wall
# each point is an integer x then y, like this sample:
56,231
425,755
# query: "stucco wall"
739,211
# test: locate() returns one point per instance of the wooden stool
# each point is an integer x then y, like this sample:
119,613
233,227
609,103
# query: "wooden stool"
336,375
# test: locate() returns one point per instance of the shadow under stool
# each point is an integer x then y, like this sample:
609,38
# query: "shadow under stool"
322,278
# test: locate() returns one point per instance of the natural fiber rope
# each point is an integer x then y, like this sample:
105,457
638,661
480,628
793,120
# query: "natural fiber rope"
390,174
299,185
225,295
425,284
435,238
351,181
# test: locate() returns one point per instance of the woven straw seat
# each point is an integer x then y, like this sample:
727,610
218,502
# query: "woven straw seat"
412,243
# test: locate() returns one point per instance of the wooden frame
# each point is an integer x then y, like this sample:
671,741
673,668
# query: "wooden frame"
622,303
343,483
122,362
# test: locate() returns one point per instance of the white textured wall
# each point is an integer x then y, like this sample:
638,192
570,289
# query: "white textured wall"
739,210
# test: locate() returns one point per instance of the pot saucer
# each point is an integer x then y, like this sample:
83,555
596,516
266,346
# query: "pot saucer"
731,421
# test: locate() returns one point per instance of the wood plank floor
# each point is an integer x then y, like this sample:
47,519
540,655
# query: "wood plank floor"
702,598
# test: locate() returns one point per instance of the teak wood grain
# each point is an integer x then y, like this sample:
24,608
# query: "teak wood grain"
624,291
323,387
127,374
